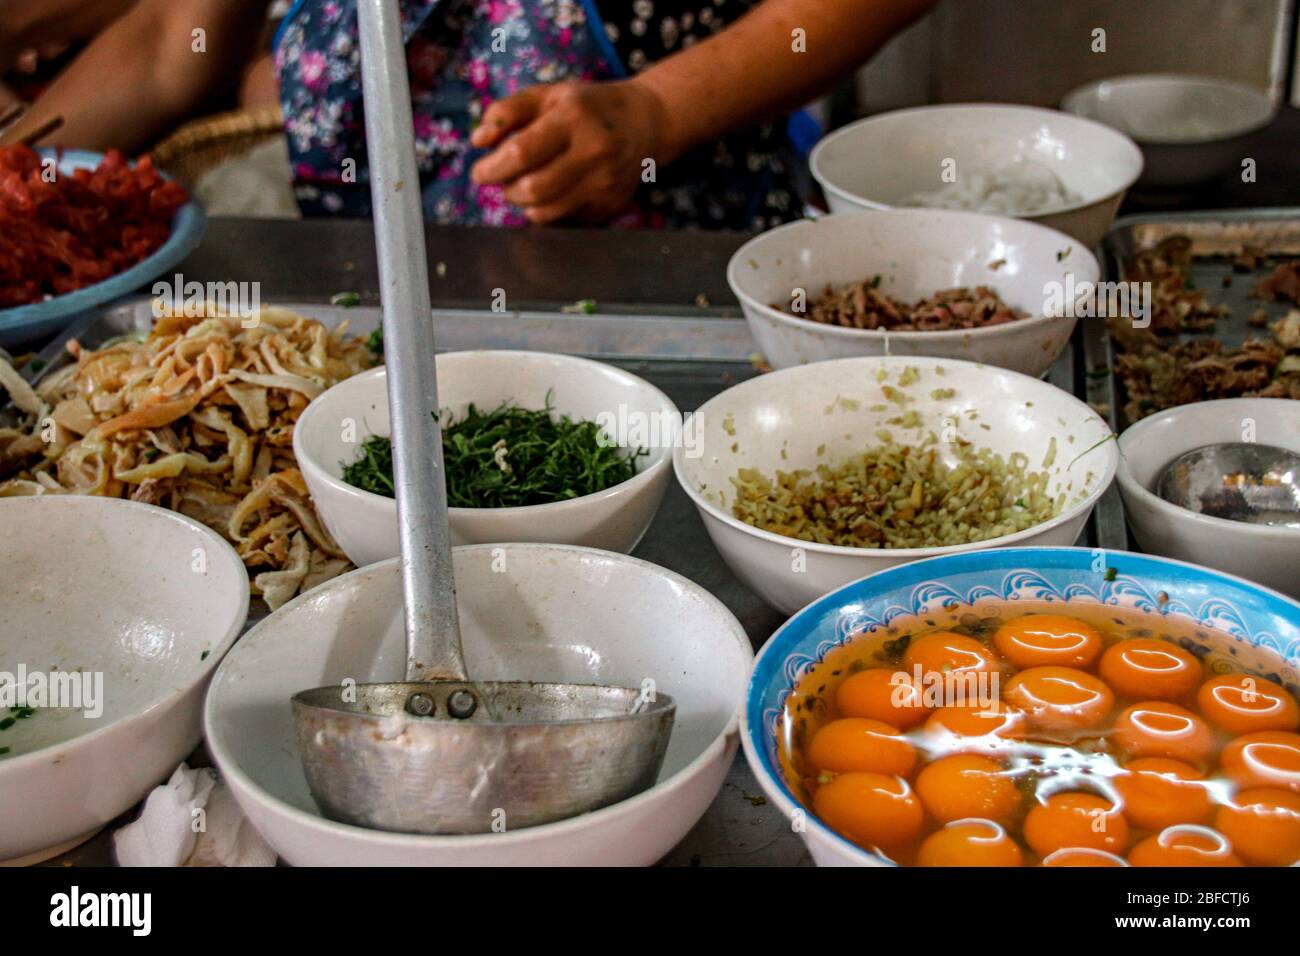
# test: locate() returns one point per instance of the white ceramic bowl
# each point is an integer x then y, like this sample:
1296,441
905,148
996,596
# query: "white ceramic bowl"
144,601
1192,129
916,252
1267,555
815,414
527,611
883,161
330,432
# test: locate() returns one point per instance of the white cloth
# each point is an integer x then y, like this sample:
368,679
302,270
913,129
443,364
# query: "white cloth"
191,820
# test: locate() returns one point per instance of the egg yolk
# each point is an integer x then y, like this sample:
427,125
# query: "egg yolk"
871,809
855,743
1269,758
1184,846
1264,826
1038,640
1241,704
1060,697
969,843
966,786
1157,728
1081,856
882,694
1075,820
1146,668
946,652
974,728
1157,793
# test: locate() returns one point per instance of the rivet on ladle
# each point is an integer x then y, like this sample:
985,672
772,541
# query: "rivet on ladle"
462,704
422,705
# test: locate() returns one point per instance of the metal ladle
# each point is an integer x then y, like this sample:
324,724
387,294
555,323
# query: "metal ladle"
439,753
1239,481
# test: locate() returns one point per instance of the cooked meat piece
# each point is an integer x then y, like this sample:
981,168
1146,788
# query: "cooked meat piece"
863,306
1282,284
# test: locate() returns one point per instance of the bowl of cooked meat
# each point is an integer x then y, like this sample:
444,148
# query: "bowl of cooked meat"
942,283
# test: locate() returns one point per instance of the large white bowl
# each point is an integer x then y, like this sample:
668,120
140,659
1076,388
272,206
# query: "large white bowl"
527,611
882,161
1191,129
145,598
916,252
821,414
330,432
1268,555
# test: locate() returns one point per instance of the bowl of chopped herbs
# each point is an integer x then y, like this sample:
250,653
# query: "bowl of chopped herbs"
536,446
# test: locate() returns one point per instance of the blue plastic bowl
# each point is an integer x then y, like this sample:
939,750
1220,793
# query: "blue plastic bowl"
1255,628
26,323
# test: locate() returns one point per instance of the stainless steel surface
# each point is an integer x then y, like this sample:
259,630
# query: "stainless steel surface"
1239,481
433,649
689,351
1215,234
554,751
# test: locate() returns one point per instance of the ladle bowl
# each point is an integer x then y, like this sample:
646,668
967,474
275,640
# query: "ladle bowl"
549,752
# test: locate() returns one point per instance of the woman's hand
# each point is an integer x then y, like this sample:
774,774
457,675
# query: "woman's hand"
572,150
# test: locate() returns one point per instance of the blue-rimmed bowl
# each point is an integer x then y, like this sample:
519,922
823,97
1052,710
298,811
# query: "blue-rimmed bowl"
1251,627
27,323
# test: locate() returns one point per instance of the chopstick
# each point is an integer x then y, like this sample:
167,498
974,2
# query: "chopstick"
45,129
11,114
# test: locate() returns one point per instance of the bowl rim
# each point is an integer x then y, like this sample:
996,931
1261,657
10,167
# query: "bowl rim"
1074,99
160,704
379,839
1117,138
657,462
777,788
907,555
938,336
1130,486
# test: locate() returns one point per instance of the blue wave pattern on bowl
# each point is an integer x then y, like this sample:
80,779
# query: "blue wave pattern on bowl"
1207,599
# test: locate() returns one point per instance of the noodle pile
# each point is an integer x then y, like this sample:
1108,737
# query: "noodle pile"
198,417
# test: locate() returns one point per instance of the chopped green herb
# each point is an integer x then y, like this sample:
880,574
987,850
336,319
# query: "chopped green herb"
348,300
1112,574
376,342
509,457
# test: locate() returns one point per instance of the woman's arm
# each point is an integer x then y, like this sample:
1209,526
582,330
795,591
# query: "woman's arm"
571,149
147,72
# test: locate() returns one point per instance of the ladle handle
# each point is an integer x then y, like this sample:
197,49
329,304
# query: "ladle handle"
433,649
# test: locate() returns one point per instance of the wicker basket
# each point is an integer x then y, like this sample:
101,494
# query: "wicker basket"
204,144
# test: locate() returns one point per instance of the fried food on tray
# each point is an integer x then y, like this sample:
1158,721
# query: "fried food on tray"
1175,305
62,233
1158,371
196,416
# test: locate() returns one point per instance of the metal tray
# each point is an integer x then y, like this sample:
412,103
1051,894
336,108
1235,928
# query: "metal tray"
691,360
1216,235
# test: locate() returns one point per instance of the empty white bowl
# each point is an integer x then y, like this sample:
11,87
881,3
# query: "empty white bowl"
332,429
916,252
1191,129
527,611
821,414
883,161
1267,555
143,603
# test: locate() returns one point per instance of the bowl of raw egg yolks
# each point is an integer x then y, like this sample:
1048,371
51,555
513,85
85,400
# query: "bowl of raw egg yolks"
897,724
